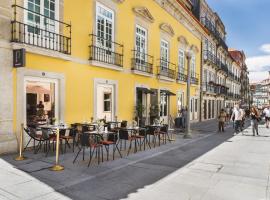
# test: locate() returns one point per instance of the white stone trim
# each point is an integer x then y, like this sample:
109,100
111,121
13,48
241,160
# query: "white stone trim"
24,72
164,78
138,72
115,84
105,65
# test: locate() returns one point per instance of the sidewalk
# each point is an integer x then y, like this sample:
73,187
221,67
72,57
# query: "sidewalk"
238,169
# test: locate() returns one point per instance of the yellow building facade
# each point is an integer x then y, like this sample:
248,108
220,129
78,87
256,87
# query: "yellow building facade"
108,57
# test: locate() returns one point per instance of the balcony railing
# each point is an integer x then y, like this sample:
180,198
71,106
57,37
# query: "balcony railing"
221,89
142,62
45,32
166,69
181,77
194,78
209,88
106,51
210,57
213,30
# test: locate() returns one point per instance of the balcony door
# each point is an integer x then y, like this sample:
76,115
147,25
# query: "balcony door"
164,107
164,55
141,48
42,27
104,29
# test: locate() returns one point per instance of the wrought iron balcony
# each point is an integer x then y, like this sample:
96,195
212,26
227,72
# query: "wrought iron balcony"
221,89
106,51
166,69
194,78
181,77
142,62
210,88
44,32
210,57
209,25
213,30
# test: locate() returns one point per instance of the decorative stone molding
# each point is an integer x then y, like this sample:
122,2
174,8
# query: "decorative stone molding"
167,28
119,1
183,41
194,48
144,13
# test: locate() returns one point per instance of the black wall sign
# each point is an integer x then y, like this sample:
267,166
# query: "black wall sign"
18,58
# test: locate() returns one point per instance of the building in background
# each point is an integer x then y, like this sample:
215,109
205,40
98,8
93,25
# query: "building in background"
221,68
214,61
260,93
133,60
241,67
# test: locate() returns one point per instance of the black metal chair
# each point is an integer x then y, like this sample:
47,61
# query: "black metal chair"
93,142
112,140
71,136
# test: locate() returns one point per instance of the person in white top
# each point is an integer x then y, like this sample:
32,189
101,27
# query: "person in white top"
266,113
237,115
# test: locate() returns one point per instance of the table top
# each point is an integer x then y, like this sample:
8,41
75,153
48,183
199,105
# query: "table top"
54,126
101,132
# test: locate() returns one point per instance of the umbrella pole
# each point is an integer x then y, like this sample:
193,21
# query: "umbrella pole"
21,156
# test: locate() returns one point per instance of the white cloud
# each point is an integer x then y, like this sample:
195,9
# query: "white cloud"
257,76
265,48
258,67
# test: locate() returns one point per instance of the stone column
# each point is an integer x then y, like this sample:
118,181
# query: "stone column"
8,142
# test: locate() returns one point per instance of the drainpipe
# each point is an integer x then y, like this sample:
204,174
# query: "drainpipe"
201,82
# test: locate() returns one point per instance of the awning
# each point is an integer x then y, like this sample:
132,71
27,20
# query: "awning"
167,92
145,90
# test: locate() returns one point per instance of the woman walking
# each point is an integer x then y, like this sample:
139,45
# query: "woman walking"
254,114
221,120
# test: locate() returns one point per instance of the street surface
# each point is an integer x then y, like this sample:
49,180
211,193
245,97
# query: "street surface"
209,166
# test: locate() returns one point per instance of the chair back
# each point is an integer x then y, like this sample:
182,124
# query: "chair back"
84,140
45,133
150,130
95,139
113,137
62,132
123,134
31,132
124,124
164,128
73,132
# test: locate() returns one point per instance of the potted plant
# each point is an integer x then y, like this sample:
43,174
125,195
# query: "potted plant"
154,113
140,108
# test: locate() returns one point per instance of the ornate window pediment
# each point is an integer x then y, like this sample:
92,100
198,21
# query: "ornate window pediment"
144,13
167,28
183,40
194,48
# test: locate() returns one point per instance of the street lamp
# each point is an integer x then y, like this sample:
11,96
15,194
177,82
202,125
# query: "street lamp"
187,132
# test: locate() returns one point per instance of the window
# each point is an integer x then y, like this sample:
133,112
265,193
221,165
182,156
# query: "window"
193,66
164,54
104,26
141,45
180,101
107,99
181,61
48,9
163,104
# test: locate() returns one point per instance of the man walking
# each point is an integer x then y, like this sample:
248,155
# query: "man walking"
266,113
237,116
221,120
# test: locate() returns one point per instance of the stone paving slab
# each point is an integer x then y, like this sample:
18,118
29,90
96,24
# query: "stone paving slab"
235,170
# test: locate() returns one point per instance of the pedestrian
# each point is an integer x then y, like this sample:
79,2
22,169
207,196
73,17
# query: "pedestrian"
228,114
221,120
237,118
184,117
243,119
254,114
266,113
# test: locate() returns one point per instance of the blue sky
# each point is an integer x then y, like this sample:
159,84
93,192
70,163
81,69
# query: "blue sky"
247,24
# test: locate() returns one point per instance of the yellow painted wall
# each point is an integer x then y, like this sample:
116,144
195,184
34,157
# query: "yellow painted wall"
79,77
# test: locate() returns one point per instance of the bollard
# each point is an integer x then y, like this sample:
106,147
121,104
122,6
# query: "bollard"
57,167
172,138
21,156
